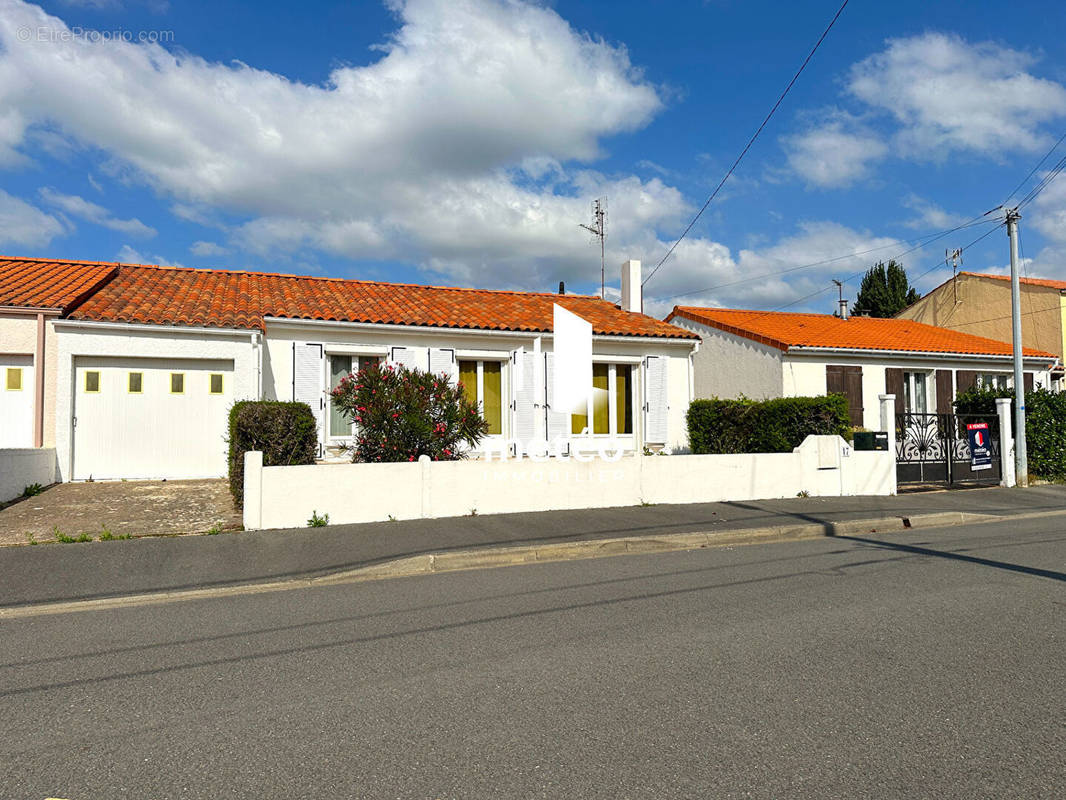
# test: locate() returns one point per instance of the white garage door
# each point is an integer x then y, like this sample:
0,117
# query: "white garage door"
150,418
16,401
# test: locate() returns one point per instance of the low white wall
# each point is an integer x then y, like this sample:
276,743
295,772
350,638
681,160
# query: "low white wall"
22,467
823,466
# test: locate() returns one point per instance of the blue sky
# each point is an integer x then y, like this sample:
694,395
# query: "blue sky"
462,141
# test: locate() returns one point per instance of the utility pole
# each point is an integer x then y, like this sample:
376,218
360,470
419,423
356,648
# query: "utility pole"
1021,455
598,228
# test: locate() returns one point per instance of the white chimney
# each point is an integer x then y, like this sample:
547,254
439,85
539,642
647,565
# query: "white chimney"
843,308
631,290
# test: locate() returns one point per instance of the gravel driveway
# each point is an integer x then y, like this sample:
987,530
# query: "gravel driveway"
140,508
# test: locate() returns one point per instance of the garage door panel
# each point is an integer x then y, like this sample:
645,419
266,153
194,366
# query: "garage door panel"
154,433
16,400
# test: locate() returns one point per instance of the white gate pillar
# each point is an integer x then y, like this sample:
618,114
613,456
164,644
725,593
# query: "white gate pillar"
1006,442
888,419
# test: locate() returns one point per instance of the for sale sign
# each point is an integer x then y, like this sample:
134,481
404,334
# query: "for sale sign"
980,445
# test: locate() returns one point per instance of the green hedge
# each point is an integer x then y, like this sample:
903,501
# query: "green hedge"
766,426
286,433
1045,425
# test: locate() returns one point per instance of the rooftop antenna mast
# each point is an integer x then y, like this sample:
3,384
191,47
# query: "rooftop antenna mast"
955,257
841,308
598,228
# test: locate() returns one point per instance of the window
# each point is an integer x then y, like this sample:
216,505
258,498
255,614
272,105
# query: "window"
215,383
135,382
482,381
342,367
14,379
986,380
915,399
177,383
611,403
92,382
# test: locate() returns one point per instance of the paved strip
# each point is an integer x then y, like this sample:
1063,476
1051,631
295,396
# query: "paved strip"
488,558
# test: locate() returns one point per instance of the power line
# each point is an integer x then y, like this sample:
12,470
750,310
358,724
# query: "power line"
1032,172
934,237
1040,187
751,141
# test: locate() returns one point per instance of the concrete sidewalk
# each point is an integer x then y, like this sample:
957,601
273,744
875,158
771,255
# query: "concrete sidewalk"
66,572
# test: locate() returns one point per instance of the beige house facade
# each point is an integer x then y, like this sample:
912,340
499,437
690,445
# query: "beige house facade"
980,304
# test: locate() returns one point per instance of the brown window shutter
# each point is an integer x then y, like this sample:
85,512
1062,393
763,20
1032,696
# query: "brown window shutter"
1027,381
965,379
853,390
943,392
894,384
834,379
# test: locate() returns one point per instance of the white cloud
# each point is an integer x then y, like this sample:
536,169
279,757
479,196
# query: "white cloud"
708,274
837,151
447,147
203,248
98,215
950,94
929,216
24,225
128,255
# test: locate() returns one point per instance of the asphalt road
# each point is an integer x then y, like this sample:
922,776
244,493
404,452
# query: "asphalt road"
928,664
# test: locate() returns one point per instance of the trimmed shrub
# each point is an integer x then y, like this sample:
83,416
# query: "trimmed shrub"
286,433
764,426
1045,425
401,414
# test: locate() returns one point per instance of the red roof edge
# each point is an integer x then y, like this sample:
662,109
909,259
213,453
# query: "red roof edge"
684,313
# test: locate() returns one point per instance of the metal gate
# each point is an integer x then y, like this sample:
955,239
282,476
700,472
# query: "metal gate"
935,448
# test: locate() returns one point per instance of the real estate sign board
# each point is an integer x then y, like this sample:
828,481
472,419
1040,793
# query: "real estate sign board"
980,445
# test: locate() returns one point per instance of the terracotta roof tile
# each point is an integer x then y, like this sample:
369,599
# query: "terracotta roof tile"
785,330
1050,284
45,283
234,299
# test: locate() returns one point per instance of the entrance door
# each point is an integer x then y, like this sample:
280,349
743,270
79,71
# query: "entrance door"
150,418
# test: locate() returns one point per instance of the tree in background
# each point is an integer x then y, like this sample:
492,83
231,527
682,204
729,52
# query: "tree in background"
401,414
885,291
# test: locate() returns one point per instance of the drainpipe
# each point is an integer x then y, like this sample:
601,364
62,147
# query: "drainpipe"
38,388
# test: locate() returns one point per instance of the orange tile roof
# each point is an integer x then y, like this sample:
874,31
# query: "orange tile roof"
786,330
46,283
139,293
1050,284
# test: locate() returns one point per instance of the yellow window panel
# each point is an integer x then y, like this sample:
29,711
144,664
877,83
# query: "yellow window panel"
14,379
92,382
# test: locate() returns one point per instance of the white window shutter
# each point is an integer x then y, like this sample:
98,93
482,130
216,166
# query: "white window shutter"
442,360
655,405
403,357
557,423
308,381
523,396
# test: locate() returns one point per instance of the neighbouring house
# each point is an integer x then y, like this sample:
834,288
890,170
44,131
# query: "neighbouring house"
980,304
765,354
147,366
33,295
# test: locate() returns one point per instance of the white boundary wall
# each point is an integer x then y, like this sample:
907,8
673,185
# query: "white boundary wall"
285,497
22,467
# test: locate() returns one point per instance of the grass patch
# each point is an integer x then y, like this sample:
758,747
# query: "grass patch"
215,529
317,521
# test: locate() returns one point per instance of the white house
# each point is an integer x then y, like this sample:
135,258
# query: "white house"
148,365
765,354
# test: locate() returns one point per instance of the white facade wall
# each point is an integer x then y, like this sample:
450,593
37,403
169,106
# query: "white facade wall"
22,467
823,466
159,343
358,339
729,366
804,375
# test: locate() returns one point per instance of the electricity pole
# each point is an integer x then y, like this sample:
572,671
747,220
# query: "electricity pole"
1021,455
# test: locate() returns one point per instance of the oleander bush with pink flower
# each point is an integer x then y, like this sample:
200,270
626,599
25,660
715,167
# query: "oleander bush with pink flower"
401,414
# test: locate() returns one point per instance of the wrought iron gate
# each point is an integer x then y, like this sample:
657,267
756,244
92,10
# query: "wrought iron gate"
935,448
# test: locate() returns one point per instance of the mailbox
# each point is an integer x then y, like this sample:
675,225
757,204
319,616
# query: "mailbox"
870,440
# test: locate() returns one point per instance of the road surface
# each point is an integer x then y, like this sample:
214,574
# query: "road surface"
928,664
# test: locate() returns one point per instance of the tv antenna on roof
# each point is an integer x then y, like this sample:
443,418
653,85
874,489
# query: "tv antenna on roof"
598,228
954,257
